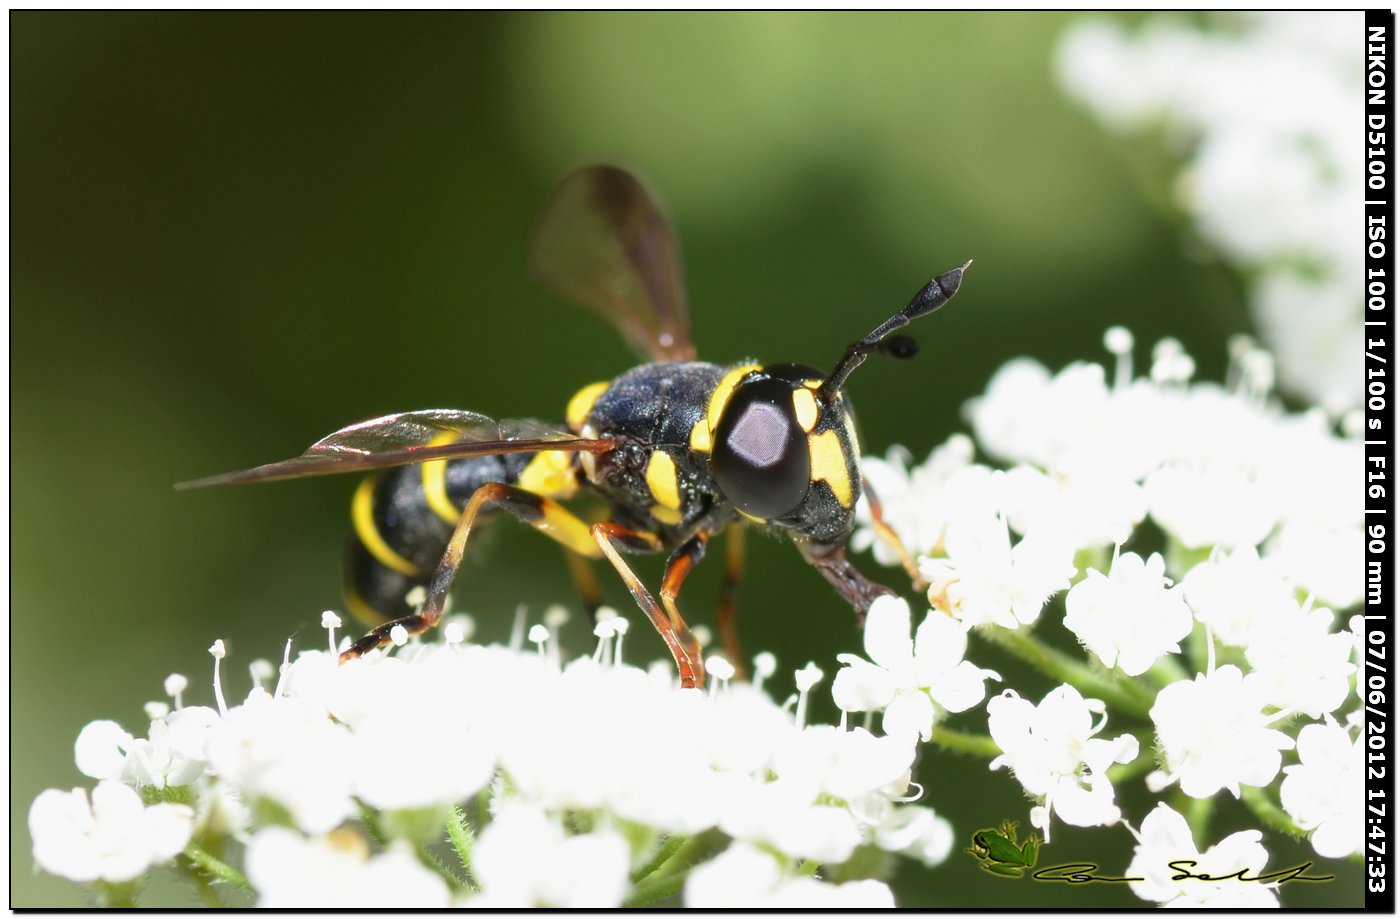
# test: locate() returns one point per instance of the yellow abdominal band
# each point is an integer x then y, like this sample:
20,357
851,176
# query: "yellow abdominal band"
362,516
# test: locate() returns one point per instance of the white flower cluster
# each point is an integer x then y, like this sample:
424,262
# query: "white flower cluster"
1216,468
449,773
113,838
1219,642
592,772
1052,750
1276,191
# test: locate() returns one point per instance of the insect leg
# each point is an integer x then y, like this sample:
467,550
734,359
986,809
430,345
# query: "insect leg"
889,537
544,514
611,537
854,587
678,568
729,598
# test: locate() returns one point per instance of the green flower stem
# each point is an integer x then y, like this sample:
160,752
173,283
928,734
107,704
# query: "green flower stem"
373,823
965,742
205,884
207,894
654,889
1197,811
212,867
1269,813
430,859
663,854
370,819
1125,695
668,879
808,868
1197,649
117,896
1168,670
481,808
462,839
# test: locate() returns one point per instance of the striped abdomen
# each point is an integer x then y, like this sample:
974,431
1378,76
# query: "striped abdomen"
403,519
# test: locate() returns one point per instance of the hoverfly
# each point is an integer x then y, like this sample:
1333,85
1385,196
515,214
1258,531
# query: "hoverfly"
678,449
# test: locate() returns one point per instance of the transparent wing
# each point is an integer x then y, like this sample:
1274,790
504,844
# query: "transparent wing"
410,437
604,241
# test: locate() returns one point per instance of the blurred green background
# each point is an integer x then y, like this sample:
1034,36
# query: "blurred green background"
234,232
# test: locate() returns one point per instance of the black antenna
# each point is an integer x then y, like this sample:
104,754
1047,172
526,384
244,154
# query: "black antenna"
933,295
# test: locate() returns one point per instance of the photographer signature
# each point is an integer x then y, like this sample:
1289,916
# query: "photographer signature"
999,852
1084,873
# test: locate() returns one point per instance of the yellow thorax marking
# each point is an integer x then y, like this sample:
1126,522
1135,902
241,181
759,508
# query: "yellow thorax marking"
550,473
667,515
849,423
805,405
661,479
724,390
700,436
829,463
435,482
582,403
362,516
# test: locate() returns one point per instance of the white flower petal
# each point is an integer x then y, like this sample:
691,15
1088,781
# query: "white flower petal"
910,713
861,686
887,632
100,749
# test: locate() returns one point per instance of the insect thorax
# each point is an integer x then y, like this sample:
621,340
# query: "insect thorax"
656,475
677,424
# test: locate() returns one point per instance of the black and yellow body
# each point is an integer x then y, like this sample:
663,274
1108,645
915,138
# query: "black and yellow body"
676,450
398,533
677,425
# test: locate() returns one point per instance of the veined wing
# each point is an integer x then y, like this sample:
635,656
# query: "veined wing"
604,241
410,437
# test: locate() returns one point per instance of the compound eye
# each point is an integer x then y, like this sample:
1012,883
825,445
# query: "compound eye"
760,459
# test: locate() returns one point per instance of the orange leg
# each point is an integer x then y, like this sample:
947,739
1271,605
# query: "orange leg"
555,521
612,537
890,538
678,568
729,599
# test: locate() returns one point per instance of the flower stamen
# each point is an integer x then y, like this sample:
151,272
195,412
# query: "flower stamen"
218,651
764,666
284,666
517,629
1119,342
721,670
330,622
539,637
604,630
806,678
555,615
260,670
175,686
